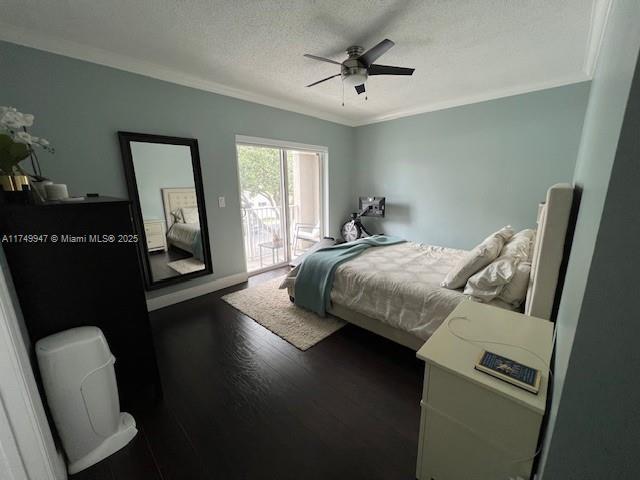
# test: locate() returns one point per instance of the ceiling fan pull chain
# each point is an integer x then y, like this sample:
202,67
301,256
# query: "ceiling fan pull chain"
343,93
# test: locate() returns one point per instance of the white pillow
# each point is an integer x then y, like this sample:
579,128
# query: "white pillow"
489,282
478,258
515,291
190,214
520,245
520,248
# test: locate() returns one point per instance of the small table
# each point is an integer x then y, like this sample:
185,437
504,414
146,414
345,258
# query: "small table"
275,251
474,425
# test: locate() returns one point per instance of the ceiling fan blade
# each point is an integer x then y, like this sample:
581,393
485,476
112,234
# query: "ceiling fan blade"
376,52
323,80
389,70
322,59
360,88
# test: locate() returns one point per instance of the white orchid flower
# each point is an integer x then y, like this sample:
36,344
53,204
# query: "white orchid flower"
23,137
13,119
14,122
7,114
27,119
4,110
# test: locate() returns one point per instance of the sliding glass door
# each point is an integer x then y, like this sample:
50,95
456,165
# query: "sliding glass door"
281,202
305,200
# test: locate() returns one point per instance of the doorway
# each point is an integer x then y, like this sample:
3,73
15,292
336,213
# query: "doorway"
281,201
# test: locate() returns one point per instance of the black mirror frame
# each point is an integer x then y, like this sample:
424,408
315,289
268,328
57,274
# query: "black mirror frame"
125,138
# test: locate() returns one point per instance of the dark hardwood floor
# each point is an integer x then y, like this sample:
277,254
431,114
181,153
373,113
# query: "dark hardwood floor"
241,403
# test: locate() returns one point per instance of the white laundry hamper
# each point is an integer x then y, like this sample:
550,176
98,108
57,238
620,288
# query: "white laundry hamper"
80,384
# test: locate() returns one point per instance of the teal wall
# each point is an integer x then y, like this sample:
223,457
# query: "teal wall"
451,177
594,424
80,106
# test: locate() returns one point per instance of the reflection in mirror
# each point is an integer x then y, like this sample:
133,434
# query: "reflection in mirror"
168,206
167,193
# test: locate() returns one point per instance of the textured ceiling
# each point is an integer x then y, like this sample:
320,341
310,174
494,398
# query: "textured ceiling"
462,50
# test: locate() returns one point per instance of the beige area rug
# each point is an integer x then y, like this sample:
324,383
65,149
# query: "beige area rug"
271,308
187,265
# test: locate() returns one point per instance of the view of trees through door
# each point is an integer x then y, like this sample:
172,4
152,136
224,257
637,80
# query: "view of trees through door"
281,202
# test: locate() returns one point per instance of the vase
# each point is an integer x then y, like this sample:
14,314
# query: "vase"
21,183
6,182
16,189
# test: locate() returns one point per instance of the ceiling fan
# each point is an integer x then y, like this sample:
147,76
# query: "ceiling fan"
356,69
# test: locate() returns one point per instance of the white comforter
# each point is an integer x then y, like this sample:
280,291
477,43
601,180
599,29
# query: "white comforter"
400,285
183,235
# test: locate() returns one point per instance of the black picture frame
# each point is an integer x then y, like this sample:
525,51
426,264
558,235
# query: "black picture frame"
125,139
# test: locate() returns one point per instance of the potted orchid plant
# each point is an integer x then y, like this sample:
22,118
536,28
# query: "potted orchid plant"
16,145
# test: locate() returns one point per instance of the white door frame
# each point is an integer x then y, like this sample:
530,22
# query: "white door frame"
285,145
27,450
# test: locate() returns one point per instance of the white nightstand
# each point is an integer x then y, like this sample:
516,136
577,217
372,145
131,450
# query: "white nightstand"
154,231
475,426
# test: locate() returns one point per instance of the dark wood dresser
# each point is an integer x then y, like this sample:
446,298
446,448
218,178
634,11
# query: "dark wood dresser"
81,267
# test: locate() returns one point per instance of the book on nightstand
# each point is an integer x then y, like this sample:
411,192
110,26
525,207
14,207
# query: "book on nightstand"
509,371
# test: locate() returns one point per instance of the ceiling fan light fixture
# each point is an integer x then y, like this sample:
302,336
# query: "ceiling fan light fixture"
354,75
354,79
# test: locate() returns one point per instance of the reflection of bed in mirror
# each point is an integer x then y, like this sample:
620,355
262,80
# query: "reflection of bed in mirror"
183,227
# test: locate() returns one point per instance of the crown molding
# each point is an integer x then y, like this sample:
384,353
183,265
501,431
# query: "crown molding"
471,99
47,43
599,15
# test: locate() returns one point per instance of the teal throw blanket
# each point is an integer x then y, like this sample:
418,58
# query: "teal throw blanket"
315,279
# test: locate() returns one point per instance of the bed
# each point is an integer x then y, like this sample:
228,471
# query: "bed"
183,233
395,290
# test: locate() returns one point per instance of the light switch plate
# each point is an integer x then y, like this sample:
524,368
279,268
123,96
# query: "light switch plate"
222,202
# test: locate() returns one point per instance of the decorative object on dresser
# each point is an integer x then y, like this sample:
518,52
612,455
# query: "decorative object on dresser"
474,425
16,145
80,268
56,191
154,231
164,182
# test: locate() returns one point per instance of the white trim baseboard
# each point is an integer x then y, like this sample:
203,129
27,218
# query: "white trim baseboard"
188,293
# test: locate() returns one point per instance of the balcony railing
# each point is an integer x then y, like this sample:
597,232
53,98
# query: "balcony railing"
259,226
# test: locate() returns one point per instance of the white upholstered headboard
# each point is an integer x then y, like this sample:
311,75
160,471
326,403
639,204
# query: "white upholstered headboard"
175,198
548,251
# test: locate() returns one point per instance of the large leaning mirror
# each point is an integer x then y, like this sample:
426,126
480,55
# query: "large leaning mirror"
165,188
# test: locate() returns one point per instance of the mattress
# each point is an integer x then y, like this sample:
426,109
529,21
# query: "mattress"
400,286
184,236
